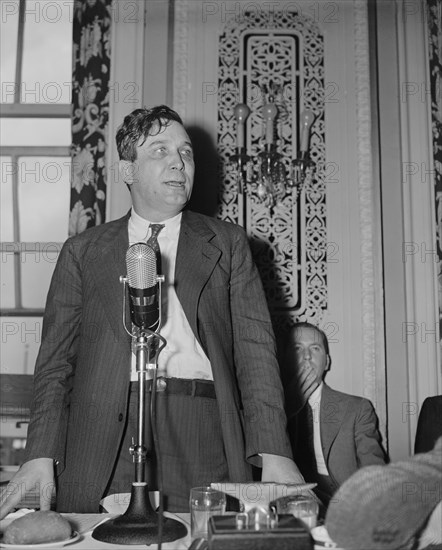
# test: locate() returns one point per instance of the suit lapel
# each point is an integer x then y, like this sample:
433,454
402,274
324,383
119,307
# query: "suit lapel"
332,415
112,254
196,259
194,249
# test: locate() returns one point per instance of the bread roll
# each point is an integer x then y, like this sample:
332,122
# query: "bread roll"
37,528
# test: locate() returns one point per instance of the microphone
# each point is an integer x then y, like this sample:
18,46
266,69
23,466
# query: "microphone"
141,264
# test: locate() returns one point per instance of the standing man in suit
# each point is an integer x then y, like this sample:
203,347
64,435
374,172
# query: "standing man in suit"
332,433
221,404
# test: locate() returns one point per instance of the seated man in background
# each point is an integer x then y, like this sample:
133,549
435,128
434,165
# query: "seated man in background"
429,424
332,433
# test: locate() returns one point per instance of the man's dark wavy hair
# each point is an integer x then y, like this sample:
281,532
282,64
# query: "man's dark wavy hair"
138,124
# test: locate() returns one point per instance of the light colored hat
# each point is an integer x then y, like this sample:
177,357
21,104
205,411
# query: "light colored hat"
386,507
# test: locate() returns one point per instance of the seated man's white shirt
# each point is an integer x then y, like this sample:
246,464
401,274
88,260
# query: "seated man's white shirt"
315,403
183,357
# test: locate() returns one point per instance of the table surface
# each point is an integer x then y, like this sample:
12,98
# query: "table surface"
84,524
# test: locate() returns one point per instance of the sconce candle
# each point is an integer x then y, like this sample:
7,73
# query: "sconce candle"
241,114
266,178
307,118
269,112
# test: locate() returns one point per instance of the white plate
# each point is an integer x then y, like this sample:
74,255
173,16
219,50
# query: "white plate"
75,536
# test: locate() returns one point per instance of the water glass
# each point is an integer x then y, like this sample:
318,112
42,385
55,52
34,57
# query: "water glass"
302,507
204,503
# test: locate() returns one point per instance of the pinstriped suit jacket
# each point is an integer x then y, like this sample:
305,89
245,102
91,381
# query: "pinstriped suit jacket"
82,373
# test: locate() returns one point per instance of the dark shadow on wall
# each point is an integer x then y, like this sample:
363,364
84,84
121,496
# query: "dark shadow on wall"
263,256
206,184
205,200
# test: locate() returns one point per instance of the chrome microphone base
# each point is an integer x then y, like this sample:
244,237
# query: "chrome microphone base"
139,524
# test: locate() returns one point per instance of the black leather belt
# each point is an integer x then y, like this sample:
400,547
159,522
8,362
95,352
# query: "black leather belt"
183,386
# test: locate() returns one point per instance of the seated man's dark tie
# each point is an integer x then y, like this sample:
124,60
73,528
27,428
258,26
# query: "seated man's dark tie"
305,442
306,457
153,243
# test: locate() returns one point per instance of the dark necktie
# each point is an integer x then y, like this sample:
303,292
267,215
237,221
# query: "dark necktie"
305,441
152,241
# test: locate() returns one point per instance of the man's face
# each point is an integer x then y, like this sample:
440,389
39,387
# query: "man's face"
161,179
308,352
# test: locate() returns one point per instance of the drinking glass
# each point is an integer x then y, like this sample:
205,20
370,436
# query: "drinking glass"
204,503
302,507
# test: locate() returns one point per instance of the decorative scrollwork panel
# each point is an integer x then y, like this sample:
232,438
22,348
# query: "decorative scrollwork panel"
281,51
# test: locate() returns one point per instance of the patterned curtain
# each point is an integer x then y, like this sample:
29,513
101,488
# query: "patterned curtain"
434,18
90,116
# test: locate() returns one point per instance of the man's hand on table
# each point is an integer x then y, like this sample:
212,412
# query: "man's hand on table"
281,469
34,475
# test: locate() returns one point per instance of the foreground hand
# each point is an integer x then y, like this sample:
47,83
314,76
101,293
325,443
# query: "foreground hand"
37,474
281,469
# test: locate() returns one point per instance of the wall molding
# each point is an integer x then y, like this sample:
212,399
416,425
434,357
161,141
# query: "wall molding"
126,76
180,56
421,331
371,285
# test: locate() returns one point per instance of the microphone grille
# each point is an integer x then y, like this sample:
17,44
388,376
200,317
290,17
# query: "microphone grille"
141,264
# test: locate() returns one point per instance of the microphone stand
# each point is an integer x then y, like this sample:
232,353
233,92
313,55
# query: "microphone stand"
140,524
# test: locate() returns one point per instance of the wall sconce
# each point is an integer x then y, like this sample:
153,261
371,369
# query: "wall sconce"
267,181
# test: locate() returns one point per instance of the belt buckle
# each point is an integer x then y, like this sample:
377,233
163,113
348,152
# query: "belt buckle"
161,384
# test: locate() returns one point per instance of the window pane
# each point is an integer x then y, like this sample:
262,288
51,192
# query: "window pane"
31,131
20,343
47,52
43,198
6,221
7,297
8,49
37,268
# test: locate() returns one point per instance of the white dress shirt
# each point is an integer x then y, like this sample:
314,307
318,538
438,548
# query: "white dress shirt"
315,403
183,357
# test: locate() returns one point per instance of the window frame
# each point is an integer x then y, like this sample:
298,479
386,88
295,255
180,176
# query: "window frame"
17,109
